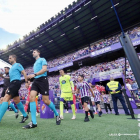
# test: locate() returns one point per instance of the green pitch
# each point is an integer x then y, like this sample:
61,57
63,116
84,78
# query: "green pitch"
96,129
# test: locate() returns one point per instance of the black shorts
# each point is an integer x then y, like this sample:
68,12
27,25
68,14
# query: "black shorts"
85,100
14,88
41,85
98,102
3,92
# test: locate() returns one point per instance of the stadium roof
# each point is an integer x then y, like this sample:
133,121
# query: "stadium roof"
82,23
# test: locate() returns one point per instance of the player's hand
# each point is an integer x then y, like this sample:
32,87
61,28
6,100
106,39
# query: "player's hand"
31,76
114,91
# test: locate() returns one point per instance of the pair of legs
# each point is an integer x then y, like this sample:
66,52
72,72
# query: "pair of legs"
99,108
46,100
70,100
40,85
93,104
107,105
4,105
9,103
85,101
119,96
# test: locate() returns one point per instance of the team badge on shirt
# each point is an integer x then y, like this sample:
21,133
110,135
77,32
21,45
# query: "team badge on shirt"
63,82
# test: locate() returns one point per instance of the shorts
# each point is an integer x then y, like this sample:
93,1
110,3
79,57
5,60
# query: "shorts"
85,100
14,88
67,96
41,85
3,92
98,102
92,99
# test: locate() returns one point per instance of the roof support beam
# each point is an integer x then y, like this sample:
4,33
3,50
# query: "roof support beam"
53,55
67,38
96,19
55,43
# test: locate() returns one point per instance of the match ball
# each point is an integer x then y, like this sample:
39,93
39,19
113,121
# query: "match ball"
2,71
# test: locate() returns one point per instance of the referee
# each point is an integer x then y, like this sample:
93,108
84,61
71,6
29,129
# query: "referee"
6,84
114,88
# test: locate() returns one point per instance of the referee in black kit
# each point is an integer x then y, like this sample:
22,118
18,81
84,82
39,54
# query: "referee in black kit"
5,87
114,88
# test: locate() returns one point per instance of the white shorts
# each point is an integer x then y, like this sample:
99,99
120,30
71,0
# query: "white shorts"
92,99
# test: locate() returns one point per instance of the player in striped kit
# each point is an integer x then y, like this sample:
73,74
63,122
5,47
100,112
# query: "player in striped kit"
83,88
105,99
97,99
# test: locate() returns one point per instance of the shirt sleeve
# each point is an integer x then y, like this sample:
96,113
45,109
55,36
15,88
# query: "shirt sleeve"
107,88
44,62
88,85
20,67
119,87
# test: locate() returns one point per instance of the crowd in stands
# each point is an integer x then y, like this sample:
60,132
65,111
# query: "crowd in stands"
88,71
91,71
134,34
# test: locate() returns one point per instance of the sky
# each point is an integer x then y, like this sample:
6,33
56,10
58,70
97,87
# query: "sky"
19,17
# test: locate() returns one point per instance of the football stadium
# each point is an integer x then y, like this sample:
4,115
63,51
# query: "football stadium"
76,76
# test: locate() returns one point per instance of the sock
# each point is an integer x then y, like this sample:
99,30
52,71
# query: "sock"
90,111
13,107
61,108
52,107
94,108
86,113
0,105
33,112
4,107
73,109
21,108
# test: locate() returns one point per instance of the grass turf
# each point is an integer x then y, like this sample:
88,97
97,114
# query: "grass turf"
97,129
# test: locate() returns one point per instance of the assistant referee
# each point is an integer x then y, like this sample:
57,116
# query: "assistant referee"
114,87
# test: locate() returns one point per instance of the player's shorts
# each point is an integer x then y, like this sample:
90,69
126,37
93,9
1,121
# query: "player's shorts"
85,100
14,88
98,102
3,92
92,99
67,96
41,85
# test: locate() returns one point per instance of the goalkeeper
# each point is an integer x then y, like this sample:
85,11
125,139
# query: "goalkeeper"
67,90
